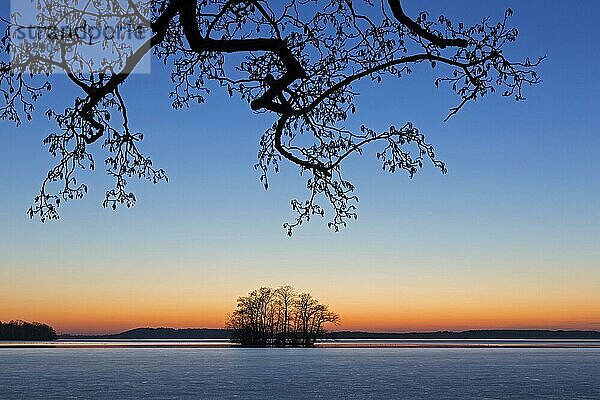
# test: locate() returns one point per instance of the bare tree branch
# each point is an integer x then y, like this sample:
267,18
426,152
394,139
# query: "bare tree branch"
297,60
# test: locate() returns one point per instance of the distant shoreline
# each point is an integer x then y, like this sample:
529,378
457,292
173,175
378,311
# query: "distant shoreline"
322,345
206,333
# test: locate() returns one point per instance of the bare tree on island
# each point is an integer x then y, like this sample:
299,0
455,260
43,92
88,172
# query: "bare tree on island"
279,318
297,61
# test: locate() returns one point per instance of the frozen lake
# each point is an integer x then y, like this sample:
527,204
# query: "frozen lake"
322,373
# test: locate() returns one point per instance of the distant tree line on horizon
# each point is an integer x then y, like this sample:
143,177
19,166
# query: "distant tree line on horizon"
280,317
21,330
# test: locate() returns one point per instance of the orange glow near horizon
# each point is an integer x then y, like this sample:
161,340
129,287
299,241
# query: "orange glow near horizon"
117,320
79,311
111,298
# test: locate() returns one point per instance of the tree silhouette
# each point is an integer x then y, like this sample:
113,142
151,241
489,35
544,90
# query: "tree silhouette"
295,60
21,330
279,318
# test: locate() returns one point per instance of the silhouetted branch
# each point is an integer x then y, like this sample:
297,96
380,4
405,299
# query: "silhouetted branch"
441,42
293,59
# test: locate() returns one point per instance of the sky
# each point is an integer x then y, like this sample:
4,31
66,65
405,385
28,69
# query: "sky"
509,238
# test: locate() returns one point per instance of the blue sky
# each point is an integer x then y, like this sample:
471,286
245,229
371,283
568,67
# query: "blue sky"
519,206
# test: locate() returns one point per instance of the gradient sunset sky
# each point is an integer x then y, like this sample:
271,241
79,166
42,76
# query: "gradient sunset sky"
510,238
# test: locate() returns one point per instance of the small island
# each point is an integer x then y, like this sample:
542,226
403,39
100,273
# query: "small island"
280,317
26,331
